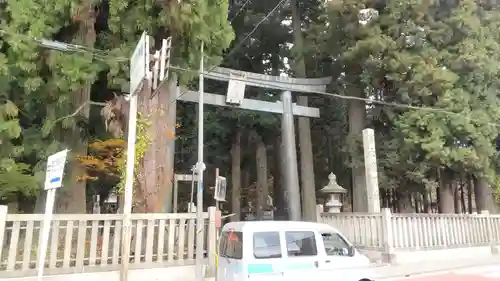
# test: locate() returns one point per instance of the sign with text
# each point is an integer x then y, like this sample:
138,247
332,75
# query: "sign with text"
139,64
55,170
220,189
236,89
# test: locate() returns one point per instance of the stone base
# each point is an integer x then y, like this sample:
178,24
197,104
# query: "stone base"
495,250
400,257
388,258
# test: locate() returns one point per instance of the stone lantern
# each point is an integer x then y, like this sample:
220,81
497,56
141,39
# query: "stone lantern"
334,193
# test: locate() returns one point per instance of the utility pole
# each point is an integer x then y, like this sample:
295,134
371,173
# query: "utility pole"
139,68
200,167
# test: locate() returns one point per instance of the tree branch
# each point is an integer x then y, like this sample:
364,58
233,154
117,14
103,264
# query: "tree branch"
80,109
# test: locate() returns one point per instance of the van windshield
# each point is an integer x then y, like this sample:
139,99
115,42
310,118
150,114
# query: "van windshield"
335,245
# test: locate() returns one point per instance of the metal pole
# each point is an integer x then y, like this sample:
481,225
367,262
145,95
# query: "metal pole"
190,209
176,193
47,219
291,177
200,167
129,187
215,188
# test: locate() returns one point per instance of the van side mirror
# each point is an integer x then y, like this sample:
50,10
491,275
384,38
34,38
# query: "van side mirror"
351,251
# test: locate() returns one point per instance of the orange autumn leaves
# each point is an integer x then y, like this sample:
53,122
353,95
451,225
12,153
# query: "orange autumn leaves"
171,133
104,158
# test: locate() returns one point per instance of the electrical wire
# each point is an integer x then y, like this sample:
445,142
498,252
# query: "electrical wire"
239,11
101,54
367,101
106,57
233,51
240,44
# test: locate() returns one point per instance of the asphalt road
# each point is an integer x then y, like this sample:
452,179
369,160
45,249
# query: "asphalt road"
479,273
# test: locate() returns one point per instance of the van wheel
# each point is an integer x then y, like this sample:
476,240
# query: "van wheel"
366,279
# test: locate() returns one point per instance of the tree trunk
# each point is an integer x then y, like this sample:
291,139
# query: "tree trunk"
236,177
278,189
416,202
245,183
304,128
484,196
426,198
262,186
404,202
72,198
462,196
40,202
167,100
456,197
445,193
142,190
470,190
279,201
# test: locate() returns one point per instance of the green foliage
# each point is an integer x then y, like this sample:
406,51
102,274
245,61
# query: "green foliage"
425,54
142,144
43,92
16,179
188,22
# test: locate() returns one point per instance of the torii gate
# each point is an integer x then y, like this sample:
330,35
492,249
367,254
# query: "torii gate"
285,107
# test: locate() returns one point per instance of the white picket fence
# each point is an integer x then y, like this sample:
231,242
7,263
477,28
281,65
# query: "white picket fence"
83,241
389,232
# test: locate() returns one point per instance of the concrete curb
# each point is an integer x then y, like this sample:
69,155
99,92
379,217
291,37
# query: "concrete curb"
436,267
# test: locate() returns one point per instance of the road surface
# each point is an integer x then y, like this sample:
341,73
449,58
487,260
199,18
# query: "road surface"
480,273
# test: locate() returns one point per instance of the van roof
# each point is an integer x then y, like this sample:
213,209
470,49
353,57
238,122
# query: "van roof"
253,226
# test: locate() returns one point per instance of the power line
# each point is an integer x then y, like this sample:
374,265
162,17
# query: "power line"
102,55
238,46
253,30
368,101
239,11
61,46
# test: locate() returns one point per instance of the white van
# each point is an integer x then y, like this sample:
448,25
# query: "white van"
288,250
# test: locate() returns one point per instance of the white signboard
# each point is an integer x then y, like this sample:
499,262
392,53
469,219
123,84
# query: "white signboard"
236,89
220,189
55,170
139,63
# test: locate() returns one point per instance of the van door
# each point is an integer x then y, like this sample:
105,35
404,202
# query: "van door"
340,259
301,260
265,261
230,267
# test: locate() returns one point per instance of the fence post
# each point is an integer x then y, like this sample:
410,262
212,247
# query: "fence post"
387,236
3,219
319,210
212,242
489,231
